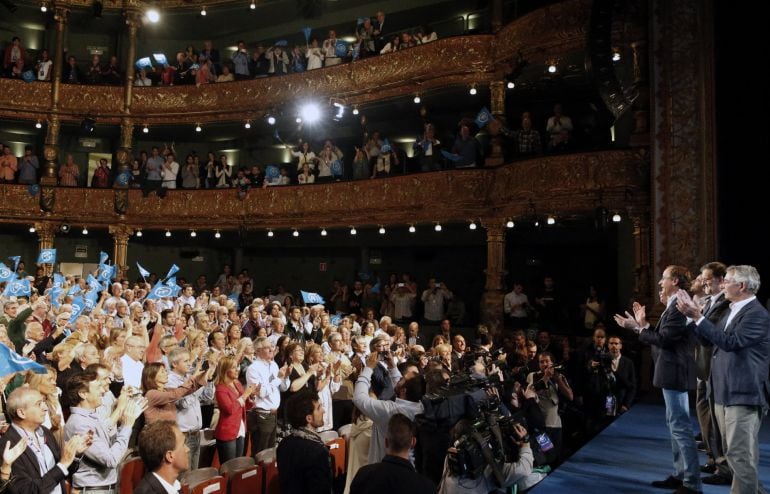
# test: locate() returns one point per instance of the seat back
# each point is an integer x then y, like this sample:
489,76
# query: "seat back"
236,464
269,465
195,477
130,473
245,481
327,436
338,451
213,485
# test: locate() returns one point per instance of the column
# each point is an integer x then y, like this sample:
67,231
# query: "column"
120,235
123,154
48,177
497,104
45,237
492,299
640,136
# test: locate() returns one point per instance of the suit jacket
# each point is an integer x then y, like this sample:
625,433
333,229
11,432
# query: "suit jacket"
704,350
672,350
304,466
739,369
149,485
26,470
625,382
392,474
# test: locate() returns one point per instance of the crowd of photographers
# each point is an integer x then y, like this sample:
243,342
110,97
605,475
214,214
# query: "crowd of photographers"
493,410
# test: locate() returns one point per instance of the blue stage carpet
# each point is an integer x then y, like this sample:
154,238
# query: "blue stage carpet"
629,454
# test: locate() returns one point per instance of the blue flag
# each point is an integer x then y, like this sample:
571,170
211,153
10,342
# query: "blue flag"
74,290
336,168
341,48
90,299
94,284
33,189
160,59
47,256
272,172
103,257
234,298
105,273
11,362
142,272
281,42
160,290
18,288
311,298
78,305
144,63
58,280
483,118
336,319
55,293
6,274
16,260
171,272
306,31
123,178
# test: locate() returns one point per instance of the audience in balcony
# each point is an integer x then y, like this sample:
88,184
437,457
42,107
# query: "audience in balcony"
72,73
141,79
240,61
69,173
14,53
467,147
557,123
101,177
528,139
43,66
329,49
28,167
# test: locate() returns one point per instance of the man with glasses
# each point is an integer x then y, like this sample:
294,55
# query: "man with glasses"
673,352
739,380
262,419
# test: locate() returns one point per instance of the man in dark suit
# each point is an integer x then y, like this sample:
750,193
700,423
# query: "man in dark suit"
395,473
714,306
673,351
739,380
624,385
164,451
27,410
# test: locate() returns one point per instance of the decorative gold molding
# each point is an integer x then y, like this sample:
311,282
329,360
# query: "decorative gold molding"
458,60
565,185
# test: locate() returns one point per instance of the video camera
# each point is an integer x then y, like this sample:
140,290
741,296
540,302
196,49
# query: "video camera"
539,382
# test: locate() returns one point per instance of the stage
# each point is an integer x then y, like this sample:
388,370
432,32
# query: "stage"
629,454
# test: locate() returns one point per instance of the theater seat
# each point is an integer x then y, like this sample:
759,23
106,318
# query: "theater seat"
269,465
338,451
327,436
203,480
242,476
130,473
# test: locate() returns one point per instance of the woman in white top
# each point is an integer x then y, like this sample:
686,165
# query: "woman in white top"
142,80
44,66
315,56
304,155
306,176
223,172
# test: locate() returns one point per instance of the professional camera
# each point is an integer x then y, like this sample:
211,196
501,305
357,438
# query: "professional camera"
605,360
539,383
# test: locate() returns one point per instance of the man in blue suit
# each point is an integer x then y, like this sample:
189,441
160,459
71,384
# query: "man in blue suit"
739,372
673,348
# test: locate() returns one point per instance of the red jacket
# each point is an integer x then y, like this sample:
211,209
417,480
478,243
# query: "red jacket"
231,412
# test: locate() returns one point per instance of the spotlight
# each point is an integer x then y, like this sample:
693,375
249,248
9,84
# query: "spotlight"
437,227
85,230
473,90
472,226
323,232
417,99
271,120
310,113
270,233
65,228
509,224
32,229
153,16
382,230
616,54
511,85
412,229
353,230
295,233
139,233
38,124
217,234
146,129
168,233
198,128
247,125
87,125
550,220
616,218
203,11
253,5
355,110
193,234
552,68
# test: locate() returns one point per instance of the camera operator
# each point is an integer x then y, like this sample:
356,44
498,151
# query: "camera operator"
550,385
518,472
598,378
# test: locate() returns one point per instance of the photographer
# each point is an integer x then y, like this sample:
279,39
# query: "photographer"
518,472
624,384
550,385
598,378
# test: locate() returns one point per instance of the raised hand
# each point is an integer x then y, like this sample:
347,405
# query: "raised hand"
11,453
686,305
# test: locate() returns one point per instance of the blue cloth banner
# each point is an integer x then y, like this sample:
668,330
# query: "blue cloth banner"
341,48
234,298
281,42
483,118
28,76
160,59
142,272
6,274
311,298
55,293
18,288
272,172
376,288
336,168
58,280
47,256
33,189
94,284
144,63
16,260
123,178
90,299
103,257
78,305
336,319
105,273
450,156
306,31
11,362
160,290
74,290
171,272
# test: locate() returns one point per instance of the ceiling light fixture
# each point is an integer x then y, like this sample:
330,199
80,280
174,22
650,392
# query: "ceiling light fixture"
382,230
85,230
146,129
139,233
353,230
437,227
32,229
473,90
323,232
355,110
509,223
511,85
270,233
472,226
552,68
298,120
168,233
193,234
217,234
247,125
412,229
253,5
616,54
198,128
295,233
203,11
38,124
153,16
550,220
43,7
417,99
310,113
616,218
271,120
